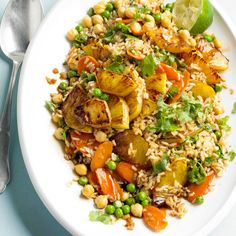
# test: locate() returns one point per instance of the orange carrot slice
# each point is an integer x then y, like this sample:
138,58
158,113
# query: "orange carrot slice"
102,154
126,171
108,184
154,218
171,73
196,190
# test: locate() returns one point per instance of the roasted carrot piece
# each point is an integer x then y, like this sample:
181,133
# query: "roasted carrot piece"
136,54
181,85
102,154
92,178
81,140
171,73
126,171
86,63
154,218
196,190
108,184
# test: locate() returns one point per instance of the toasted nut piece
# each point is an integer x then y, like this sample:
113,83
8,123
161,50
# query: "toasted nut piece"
56,118
101,201
166,19
81,169
88,191
87,22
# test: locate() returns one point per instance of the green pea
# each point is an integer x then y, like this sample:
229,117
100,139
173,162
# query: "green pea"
122,27
157,17
145,202
218,134
106,14
63,85
219,153
131,188
142,196
117,204
75,44
79,28
126,209
111,165
218,88
71,73
208,38
109,7
81,38
83,180
199,200
90,12
110,209
130,201
169,6
84,74
105,97
119,213
97,92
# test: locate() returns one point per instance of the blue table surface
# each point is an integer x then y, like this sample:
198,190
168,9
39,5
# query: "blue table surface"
21,211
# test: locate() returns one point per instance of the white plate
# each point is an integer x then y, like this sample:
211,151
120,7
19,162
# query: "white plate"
43,155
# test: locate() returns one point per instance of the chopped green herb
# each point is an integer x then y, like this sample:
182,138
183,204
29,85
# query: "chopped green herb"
222,122
173,91
117,66
199,200
105,97
109,36
160,166
90,12
197,173
218,88
234,108
209,38
148,65
50,106
100,216
209,160
232,155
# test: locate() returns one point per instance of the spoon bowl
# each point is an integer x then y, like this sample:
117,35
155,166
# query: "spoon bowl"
19,23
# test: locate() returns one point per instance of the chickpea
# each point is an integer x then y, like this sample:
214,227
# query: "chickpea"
118,3
58,134
130,12
124,196
101,201
56,118
98,29
149,18
100,136
97,19
136,28
88,191
166,19
218,109
121,12
148,26
57,98
217,43
71,34
99,8
81,169
137,210
87,22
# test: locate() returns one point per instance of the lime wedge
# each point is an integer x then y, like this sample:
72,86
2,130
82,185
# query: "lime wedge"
193,15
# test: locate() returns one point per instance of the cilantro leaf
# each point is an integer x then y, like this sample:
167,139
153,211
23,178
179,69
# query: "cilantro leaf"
222,122
117,66
148,65
197,173
160,166
50,106
231,155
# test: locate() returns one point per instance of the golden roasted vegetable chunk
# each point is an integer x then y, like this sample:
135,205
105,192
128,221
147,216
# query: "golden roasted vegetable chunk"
156,84
192,58
97,50
75,98
94,112
148,108
113,83
135,101
178,173
203,90
169,40
212,55
119,113
131,148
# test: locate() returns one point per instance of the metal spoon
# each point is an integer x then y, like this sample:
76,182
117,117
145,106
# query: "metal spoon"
20,21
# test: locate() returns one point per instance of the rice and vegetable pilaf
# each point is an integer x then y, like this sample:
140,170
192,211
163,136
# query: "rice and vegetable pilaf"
139,111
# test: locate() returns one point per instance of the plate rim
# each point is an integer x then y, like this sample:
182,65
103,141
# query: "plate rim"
208,227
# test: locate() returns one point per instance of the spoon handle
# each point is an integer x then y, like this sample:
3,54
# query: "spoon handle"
5,124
